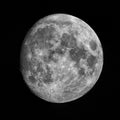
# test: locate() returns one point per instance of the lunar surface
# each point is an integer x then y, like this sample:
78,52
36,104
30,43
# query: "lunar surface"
62,58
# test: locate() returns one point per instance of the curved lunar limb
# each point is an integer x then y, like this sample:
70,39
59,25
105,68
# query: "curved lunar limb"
64,58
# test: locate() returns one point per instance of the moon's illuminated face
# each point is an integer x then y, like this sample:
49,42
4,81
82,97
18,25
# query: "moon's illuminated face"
65,57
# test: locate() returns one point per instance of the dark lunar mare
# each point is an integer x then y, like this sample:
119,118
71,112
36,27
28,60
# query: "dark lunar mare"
93,45
47,76
32,79
76,53
43,36
68,40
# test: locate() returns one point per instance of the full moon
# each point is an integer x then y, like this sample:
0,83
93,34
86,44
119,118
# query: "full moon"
62,58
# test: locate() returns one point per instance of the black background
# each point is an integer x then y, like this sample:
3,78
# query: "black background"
19,100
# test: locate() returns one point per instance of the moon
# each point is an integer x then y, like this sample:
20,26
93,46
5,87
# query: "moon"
68,87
